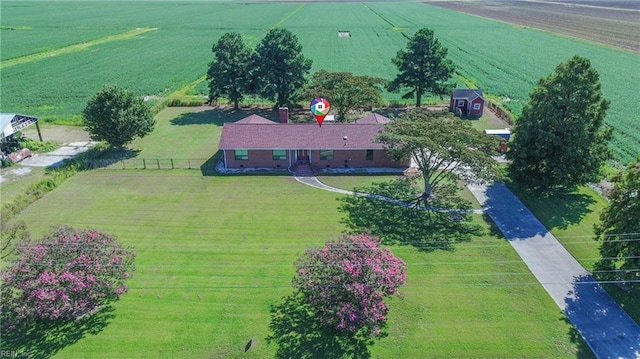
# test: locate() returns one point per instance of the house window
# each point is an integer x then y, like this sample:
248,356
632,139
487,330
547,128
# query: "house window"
460,103
326,155
241,155
279,155
369,155
476,106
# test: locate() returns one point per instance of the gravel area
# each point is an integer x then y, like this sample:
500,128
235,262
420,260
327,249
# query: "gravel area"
58,133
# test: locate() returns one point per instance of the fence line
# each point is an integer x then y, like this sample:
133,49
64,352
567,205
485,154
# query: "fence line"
151,163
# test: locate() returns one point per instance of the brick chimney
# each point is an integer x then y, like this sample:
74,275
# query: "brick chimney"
283,113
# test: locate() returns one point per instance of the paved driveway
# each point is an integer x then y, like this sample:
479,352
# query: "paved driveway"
56,157
605,326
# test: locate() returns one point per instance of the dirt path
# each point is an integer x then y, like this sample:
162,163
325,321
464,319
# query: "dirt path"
73,48
494,119
58,133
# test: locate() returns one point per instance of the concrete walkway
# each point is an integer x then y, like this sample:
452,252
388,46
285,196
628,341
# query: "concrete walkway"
605,326
56,157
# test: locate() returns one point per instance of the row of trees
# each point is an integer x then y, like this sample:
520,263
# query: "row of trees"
277,71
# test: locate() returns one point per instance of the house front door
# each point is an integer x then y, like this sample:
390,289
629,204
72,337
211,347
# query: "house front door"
303,156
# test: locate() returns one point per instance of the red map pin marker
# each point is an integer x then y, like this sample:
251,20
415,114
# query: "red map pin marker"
320,109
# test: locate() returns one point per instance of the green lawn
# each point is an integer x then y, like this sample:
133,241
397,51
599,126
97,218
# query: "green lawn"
350,182
215,252
571,218
16,180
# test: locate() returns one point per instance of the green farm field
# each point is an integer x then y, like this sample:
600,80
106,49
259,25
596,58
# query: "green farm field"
172,54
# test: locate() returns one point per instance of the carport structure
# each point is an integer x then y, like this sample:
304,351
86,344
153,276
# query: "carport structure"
11,123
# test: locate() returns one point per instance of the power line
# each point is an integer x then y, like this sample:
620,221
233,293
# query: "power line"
293,245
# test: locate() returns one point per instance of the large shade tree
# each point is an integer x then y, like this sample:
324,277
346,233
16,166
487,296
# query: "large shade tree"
560,140
281,68
423,67
345,91
443,148
64,276
230,72
619,231
338,306
117,116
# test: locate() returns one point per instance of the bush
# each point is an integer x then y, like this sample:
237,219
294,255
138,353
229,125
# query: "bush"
62,277
38,146
185,102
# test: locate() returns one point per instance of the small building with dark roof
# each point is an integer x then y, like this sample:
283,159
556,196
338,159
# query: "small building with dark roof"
467,103
258,142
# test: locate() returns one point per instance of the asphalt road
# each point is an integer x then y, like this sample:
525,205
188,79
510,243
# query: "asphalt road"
604,325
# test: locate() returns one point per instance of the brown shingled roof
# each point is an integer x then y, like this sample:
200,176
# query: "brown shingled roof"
254,119
262,136
373,118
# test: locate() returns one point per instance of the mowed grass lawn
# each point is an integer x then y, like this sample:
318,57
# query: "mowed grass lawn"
214,252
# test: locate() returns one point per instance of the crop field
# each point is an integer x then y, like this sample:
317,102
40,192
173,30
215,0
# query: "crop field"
614,23
504,60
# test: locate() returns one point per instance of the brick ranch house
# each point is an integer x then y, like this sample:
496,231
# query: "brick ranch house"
467,103
256,142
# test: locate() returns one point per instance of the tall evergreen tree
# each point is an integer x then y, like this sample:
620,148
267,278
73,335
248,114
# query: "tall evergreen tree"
560,139
230,72
281,66
423,67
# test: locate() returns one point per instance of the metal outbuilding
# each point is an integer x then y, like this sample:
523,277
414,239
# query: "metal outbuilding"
11,123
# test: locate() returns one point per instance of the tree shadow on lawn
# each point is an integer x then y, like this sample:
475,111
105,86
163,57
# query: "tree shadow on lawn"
107,157
297,332
555,209
218,116
426,230
582,349
46,338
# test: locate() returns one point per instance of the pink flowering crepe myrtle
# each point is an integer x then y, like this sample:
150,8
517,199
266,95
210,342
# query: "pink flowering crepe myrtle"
67,274
348,279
